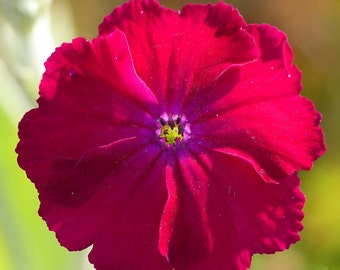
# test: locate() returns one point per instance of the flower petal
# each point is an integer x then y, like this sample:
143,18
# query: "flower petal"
185,237
80,74
246,215
94,114
133,208
77,195
255,112
85,102
177,53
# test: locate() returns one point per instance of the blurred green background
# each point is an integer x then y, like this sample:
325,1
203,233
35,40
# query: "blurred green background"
29,31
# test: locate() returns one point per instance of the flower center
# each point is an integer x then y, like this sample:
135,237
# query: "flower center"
172,130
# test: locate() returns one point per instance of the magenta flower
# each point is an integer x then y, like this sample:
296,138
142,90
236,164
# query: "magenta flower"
172,140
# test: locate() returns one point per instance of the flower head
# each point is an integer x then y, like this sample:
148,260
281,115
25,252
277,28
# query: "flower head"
172,140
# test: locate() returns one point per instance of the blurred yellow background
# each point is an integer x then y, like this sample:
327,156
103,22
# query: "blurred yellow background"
29,31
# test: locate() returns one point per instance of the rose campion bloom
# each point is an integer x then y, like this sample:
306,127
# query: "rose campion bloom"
172,140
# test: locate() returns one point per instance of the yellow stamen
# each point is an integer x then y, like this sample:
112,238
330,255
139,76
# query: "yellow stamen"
171,134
